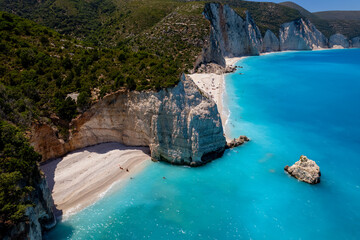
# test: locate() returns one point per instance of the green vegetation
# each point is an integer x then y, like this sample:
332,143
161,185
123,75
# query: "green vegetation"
267,15
331,22
18,175
40,67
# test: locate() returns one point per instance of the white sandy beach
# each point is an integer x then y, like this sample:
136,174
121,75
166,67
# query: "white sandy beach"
214,85
82,177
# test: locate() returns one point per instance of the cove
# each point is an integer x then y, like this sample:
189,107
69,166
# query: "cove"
289,104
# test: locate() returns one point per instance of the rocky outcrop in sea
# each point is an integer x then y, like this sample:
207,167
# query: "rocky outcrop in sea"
237,142
301,35
339,40
305,170
181,125
270,42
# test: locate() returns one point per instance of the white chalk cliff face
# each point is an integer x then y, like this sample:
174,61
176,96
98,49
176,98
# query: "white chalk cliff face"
339,41
270,42
355,42
181,125
230,35
233,36
301,35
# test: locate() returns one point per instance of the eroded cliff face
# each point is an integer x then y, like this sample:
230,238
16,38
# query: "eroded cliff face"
230,35
355,42
270,42
301,35
233,36
339,41
40,216
181,125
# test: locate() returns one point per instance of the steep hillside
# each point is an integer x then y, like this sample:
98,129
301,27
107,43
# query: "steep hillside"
266,15
339,15
331,22
102,22
321,24
344,22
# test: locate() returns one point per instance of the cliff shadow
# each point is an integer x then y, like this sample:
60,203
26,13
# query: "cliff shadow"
49,168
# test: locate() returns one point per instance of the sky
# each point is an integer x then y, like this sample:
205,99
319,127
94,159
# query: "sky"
323,5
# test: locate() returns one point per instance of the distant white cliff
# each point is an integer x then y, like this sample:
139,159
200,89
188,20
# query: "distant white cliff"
270,42
301,35
233,36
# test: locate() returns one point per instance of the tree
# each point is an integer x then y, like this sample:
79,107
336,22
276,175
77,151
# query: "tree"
67,109
83,101
131,84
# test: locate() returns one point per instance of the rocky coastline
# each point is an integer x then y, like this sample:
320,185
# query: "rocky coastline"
234,36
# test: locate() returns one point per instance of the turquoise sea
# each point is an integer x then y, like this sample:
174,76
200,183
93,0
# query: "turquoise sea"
289,104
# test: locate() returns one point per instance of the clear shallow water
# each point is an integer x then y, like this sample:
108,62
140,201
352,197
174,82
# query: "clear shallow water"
288,104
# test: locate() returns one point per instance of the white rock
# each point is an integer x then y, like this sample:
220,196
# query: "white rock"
305,170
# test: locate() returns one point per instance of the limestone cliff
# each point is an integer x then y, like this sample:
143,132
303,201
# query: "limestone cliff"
270,42
40,216
230,35
355,42
339,40
181,125
301,35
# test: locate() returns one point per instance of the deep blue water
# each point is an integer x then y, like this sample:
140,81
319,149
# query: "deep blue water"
289,104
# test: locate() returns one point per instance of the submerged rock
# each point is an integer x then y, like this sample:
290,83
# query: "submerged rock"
305,170
339,41
237,142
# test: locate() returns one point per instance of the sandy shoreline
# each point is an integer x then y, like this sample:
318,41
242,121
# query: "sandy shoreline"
214,85
82,177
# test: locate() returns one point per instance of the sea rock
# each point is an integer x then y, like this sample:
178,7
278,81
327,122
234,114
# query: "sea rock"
181,125
355,42
305,170
237,142
270,42
339,41
230,35
301,35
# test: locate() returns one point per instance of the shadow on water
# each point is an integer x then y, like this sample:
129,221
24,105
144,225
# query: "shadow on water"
67,232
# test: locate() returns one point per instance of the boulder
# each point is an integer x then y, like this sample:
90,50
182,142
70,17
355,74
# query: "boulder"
305,170
237,142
